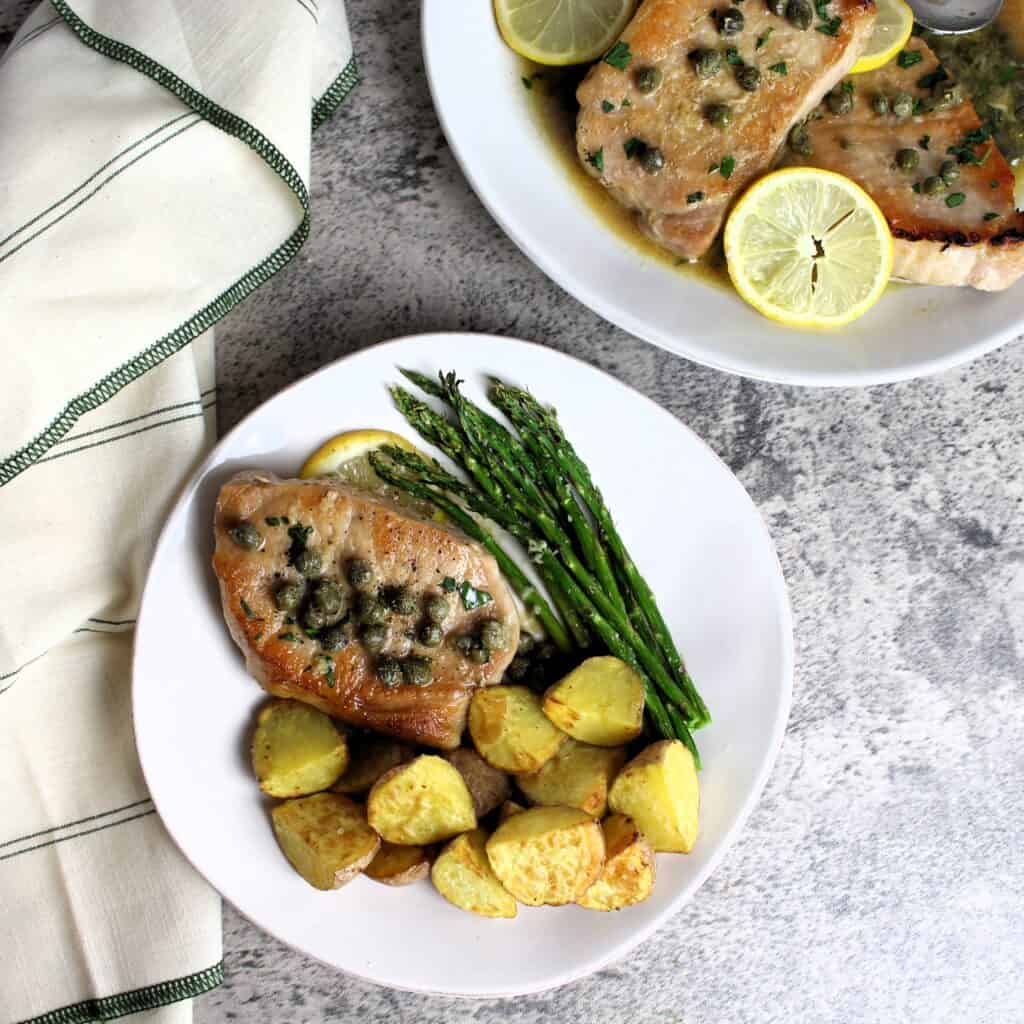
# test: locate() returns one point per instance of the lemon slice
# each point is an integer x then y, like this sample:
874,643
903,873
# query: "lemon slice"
559,32
808,248
893,25
345,457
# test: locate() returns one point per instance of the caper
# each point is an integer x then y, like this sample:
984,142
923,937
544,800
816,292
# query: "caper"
289,596
245,535
933,186
945,96
799,14
492,635
389,672
400,600
334,638
328,597
307,562
313,617
800,140
880,105
430,634
907,159
903,104
949,171
730,21
518,668
479,654
360,573
371,611
464,643
707,63
652,160
374,638
418,671
527,642
648,79
437,608
720,115
840,101
748,77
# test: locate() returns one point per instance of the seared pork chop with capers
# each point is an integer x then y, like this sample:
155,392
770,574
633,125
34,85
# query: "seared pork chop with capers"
911,138
697,98
350,603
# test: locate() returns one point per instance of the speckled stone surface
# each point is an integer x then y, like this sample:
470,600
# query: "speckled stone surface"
881,879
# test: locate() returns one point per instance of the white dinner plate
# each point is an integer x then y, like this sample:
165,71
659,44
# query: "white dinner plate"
475,80
693,531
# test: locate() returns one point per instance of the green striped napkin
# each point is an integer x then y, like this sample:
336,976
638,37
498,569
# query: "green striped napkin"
154,170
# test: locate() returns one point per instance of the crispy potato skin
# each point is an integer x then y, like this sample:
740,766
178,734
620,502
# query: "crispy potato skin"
296,750
421,802
579,775
547,855
325,837
462,874
510,731
369,758
629,869
600,702
399,865
659,790
488,786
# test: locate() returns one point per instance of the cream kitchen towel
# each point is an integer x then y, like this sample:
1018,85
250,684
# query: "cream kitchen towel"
154,170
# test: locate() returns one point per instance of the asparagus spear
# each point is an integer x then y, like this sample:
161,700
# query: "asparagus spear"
520,582
538,423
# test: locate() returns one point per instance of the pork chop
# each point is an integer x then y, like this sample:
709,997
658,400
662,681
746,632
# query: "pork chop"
281,519
967,234
682,205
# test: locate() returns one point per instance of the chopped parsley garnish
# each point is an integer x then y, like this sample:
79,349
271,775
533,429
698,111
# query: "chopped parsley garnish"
328,669
732,56
625,103
728,166
596,160
908,58
780,68
607,106
299,535
619,56
917,188
762,39
288,637
634,147
527,82
993,184
471,597
1007,74
249,614
693,197
830,25
925,141
991,216
955,199
277,520
964,150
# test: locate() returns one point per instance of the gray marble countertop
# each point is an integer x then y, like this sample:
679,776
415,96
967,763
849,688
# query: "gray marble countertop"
881,878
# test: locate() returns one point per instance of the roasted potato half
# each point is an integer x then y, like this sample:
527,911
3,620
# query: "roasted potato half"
399,865
658,789
510,731
600,702
579,775
628,873
369,758
462,874
296,750
421,802
488,786
326,838
547,855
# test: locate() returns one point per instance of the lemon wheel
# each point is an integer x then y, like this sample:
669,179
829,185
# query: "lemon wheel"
808,248
893,24
560,32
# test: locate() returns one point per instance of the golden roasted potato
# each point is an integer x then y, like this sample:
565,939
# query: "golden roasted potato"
296,750
421,802
399,865
628,873
600,702
488,786
508,808
326,838
547,855
579,775
369,758
462,874
658,789
510,731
